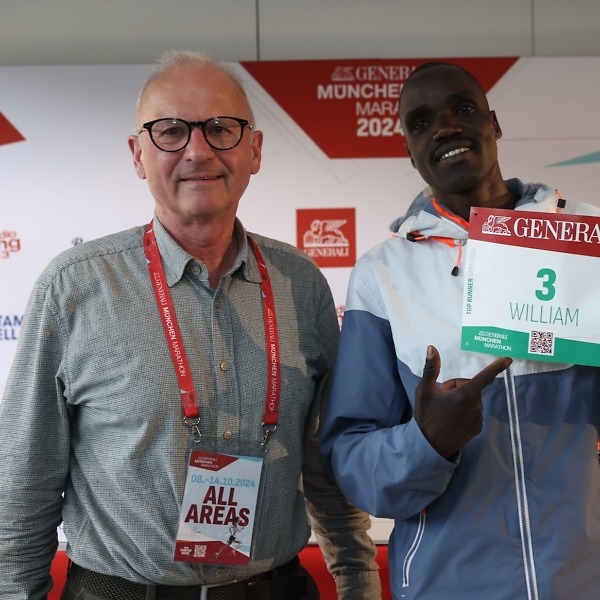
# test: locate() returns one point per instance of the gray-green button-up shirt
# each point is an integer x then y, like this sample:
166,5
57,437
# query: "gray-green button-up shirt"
91,420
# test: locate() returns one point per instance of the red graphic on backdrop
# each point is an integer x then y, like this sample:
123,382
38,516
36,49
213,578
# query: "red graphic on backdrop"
349,107
10,243
8,133
328,235
339,311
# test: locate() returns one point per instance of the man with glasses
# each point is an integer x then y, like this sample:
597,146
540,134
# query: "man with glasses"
168,385
172,135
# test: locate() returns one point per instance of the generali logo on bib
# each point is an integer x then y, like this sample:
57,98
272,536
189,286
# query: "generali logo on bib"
8,132
496,225
328,235
557,232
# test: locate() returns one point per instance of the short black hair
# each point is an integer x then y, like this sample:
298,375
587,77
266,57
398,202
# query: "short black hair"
438,63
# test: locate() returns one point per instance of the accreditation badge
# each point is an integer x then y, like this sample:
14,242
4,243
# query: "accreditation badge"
217,515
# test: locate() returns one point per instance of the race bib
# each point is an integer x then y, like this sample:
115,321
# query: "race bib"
532,284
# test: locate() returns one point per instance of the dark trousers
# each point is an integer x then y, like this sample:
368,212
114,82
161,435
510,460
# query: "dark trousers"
289,582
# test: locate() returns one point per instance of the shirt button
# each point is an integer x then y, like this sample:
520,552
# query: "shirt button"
224,366
218,304
196,270
228,435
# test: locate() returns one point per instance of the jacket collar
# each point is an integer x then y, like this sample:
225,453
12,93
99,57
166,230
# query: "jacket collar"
430,219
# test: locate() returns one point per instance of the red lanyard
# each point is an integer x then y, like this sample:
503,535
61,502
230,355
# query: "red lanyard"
172,332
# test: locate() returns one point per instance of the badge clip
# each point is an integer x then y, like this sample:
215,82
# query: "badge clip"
267,431
194,424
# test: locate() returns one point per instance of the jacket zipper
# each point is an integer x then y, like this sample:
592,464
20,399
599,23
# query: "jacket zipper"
413,549
521,491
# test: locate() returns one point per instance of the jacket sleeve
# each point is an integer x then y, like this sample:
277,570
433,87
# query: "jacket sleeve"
377,452
34,456
341,529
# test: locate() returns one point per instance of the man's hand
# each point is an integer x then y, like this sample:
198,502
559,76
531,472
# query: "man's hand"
451,413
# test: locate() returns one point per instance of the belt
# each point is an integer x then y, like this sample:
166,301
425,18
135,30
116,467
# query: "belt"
277,584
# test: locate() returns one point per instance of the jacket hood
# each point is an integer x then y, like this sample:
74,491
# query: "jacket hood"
424,217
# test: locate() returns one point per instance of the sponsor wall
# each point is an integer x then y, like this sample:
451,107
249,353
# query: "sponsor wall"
334,174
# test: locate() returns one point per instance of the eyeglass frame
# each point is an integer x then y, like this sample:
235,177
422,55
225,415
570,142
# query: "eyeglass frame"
190,126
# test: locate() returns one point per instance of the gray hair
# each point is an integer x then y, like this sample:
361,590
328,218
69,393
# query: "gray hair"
183,58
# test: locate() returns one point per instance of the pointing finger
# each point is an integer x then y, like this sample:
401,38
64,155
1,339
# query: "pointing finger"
431,370
489,373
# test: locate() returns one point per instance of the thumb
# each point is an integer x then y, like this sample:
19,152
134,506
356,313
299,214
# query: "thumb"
431,370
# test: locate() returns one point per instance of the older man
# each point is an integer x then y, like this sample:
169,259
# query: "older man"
169,381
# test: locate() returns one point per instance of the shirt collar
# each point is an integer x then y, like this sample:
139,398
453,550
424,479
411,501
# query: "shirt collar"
175,259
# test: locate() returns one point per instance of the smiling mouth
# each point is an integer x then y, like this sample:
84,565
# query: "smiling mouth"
452,153
207,178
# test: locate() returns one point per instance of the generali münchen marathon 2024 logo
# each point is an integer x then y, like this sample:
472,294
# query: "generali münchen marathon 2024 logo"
9,241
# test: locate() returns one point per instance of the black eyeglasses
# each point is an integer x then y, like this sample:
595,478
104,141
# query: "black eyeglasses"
172,135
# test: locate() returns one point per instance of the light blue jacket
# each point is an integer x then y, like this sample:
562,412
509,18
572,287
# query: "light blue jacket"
516,515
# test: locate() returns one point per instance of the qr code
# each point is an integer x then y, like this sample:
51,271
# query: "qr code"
199,551
541,342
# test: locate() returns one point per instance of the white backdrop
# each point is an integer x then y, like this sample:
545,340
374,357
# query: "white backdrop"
71,177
